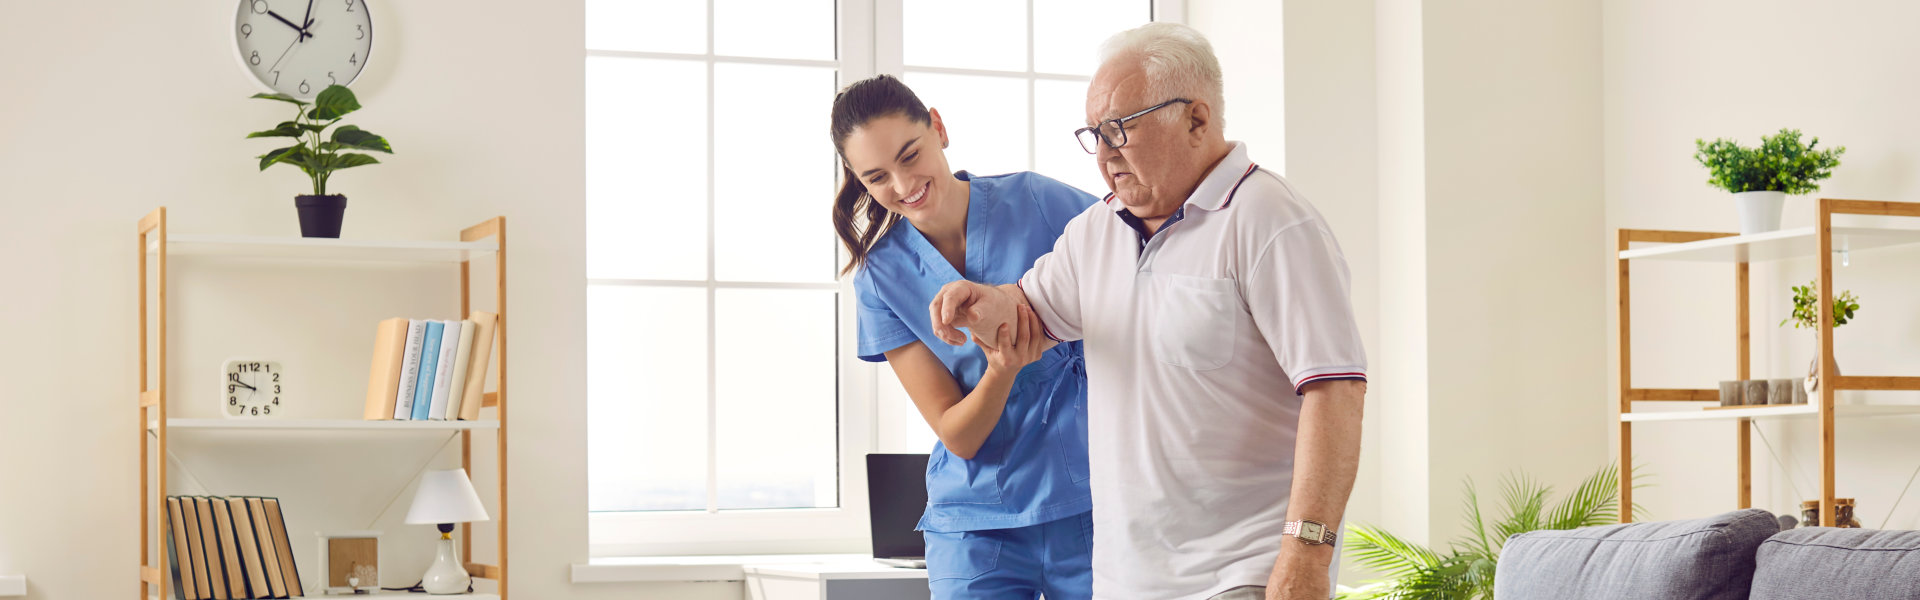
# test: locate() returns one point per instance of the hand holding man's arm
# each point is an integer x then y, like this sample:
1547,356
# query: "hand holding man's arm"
976,306
1326,460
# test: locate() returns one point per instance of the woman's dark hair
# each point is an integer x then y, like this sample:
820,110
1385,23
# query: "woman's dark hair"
856,216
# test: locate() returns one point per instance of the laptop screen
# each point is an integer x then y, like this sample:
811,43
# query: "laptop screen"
896,497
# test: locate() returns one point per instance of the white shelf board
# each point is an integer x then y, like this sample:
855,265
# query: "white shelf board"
323,248
1775,245
320,424
1787,411
13,585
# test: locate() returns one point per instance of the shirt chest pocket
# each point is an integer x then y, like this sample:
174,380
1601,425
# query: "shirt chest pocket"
1193,321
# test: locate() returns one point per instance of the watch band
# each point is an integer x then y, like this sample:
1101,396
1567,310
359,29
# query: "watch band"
1309,531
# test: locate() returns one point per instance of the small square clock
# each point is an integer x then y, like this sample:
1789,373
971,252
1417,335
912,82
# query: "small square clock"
253,388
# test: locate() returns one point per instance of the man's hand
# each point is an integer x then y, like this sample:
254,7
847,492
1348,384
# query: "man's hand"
1301,572
978,307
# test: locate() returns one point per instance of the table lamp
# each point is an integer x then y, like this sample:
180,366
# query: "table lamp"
444,498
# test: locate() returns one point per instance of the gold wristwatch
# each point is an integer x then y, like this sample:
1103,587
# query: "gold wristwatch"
1309,532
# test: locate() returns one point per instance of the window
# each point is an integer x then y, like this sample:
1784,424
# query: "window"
726,413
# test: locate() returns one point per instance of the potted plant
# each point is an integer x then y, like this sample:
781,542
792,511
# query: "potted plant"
1467,569
1762,178
1806,314
319,155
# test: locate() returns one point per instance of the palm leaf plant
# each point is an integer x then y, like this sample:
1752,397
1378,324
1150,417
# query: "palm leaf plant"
1465,571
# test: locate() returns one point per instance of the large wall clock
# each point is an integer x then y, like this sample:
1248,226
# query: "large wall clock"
299,47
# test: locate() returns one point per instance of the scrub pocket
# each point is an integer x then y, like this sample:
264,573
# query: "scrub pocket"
1194,320
960,555
953,480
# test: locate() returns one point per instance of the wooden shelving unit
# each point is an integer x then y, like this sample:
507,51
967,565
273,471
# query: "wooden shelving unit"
486,239
1821,240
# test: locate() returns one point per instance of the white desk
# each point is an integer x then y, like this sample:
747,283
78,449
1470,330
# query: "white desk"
851,578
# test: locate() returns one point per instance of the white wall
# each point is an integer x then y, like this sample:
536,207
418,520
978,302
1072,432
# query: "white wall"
1680,71
112,109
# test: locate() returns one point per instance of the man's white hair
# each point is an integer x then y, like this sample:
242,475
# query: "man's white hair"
1179,64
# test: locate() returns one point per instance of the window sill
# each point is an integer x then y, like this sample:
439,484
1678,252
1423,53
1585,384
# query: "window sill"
628,569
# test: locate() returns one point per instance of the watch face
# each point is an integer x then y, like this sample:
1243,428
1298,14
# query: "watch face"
1312,531
299,47
252,388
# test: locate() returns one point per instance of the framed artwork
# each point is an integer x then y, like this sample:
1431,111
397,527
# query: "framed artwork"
349,561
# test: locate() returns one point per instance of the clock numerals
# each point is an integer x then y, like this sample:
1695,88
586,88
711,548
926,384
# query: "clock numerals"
363,32
276,378
233,401
349,5
254,59
246,30
353,59
304,88
330,80
260,7
276,78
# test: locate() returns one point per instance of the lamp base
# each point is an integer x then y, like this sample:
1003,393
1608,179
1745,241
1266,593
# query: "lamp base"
446,576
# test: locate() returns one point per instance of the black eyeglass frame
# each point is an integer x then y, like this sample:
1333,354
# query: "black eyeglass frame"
1119,125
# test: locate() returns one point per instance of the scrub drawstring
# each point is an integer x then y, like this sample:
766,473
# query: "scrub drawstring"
1076,364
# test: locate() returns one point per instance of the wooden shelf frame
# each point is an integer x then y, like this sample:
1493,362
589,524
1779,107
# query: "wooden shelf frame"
1825,411
152,399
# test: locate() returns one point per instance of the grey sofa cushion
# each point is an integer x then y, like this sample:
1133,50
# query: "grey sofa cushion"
1704,559
1821,562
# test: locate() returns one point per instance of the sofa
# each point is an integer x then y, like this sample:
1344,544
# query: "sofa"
1741,555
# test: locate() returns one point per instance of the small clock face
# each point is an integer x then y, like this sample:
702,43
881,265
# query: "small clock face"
252,389
299,47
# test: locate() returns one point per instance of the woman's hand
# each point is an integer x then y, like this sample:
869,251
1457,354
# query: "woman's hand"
1020,343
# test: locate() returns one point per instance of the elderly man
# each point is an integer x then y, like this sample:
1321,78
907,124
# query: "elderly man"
1225,371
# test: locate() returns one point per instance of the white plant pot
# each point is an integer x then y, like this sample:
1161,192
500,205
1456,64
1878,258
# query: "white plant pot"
1759,211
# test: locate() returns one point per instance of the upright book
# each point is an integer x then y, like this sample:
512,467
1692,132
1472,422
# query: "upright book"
196,548
250,557
177,554
410,369
229,548
443,374
484,324
383,379
456,394
210,547
269,552
429,363
277,523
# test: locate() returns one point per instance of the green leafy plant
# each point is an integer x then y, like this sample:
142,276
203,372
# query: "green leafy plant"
313,152
1806,302
1466,571
1780,164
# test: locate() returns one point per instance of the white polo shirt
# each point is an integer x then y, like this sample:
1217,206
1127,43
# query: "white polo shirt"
1197,342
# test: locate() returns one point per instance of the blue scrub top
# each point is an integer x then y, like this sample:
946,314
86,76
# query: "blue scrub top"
1033,467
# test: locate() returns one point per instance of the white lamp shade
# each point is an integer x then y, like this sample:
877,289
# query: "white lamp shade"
445,497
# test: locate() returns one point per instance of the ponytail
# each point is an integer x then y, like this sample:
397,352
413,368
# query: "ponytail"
857,218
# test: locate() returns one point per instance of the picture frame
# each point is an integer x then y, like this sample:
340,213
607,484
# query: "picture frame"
343,554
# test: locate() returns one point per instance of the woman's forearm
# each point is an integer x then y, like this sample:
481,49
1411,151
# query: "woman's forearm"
965,425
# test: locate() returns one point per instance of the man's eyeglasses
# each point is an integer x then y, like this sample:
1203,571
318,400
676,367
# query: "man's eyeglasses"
1113,133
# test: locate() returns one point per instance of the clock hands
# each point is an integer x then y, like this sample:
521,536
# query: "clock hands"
306,21
283,53
237,382
303,31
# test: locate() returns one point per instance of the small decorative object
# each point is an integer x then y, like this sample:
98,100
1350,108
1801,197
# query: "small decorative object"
1800,394
1806,314
318,156
1754,392
1842,511
444,498
1730,392
297,52
252,388
1788,522
350,561
1762,178
1780,391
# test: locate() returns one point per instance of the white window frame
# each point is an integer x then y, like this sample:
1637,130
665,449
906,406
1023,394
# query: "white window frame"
869,43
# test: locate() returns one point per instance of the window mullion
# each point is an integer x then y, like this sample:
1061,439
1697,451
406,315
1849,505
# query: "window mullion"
713,351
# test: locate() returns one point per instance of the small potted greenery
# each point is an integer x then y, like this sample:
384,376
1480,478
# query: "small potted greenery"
1806,314
1762,178
318,155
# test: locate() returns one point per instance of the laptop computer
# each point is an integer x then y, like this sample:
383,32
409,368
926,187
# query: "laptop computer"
896,497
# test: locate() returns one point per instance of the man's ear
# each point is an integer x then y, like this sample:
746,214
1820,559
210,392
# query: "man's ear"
939,126
1200,122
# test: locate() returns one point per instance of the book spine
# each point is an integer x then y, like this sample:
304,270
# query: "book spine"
484,325
443,375
383,377
429,363
410,370
462,361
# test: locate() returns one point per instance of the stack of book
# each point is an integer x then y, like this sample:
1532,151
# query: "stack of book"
223,548
430,370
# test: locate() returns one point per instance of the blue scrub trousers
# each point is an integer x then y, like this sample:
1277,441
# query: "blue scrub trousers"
1053,558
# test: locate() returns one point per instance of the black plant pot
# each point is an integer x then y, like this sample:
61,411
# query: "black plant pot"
320,216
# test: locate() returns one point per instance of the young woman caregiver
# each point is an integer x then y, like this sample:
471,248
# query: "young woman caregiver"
1009,514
